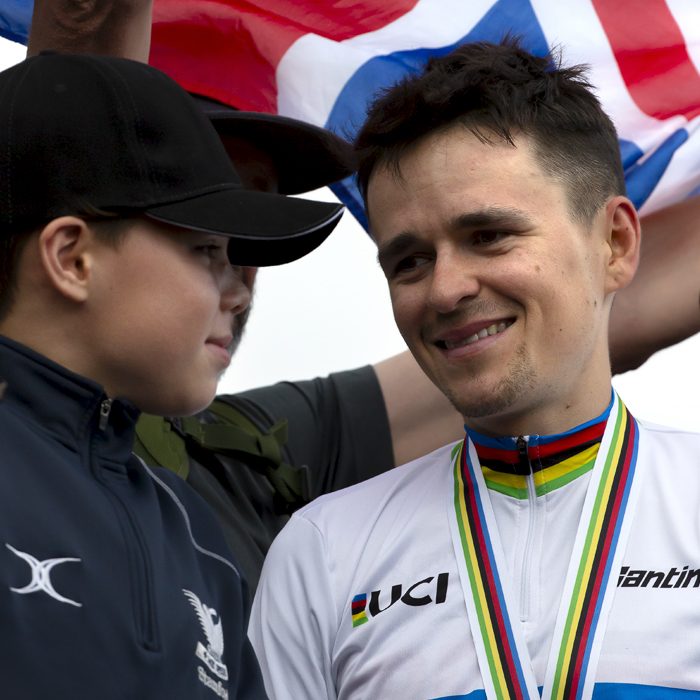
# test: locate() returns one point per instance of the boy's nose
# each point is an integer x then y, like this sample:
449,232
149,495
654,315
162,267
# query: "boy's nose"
236,295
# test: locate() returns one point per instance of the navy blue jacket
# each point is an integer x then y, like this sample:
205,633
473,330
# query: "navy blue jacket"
115,580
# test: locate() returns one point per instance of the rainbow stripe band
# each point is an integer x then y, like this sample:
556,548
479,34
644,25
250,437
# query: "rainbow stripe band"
596,559
357,610
494,622
589,579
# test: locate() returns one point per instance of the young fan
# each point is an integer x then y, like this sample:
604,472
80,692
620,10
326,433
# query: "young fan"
120,214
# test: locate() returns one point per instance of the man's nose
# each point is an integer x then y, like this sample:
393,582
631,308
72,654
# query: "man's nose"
236,295
453,279
248,275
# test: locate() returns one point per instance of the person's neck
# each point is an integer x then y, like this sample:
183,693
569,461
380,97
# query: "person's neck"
56,337
550,418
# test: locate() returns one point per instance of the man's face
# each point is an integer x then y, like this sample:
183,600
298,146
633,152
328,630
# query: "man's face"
498,292
164,304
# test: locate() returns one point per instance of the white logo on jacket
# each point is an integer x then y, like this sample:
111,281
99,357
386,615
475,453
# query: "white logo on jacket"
214,651
41,573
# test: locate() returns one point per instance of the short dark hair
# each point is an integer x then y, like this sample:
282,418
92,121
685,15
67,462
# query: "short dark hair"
108,227
501,90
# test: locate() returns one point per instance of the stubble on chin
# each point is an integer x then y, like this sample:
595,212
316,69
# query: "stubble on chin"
521,379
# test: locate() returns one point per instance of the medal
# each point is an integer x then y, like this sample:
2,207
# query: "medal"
600,542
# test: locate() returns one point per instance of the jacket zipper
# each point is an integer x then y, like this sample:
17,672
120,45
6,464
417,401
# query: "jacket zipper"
105,410
532,523
137,556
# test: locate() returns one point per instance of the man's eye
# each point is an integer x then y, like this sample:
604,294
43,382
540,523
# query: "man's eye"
488,237
410,263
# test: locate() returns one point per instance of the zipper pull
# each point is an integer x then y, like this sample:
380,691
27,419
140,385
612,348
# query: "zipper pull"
521,443
105,408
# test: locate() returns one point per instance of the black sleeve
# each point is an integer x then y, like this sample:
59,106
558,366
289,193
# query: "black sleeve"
338,425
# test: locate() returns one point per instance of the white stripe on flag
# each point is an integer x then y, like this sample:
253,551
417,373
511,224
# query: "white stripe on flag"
314,70
682,175
575,25
687,16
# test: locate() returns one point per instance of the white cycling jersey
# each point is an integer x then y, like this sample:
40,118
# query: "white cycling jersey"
361,596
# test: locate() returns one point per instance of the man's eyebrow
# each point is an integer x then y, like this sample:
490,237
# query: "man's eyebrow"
396,247
492,216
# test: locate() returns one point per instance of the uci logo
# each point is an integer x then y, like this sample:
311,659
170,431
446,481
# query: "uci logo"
417,594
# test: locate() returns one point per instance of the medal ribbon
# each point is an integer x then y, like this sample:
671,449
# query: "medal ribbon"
600,543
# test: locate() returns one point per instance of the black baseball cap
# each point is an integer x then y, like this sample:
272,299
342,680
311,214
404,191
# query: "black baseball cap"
305,156
121,136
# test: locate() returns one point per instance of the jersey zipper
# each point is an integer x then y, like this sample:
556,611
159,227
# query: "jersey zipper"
524,603
136,551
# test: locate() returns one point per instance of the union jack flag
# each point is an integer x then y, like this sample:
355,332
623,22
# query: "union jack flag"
322,60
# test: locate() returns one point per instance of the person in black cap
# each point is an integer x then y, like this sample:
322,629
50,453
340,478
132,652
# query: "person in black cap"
121,220
341,429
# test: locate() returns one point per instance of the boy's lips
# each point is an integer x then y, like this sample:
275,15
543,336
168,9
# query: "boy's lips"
218,346
471,333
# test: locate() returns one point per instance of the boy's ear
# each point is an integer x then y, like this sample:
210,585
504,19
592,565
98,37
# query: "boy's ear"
65,246
624,239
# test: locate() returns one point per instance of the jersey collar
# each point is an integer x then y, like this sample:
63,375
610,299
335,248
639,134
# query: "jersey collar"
572,448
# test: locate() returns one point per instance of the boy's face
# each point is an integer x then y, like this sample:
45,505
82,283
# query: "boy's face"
498,293
162,311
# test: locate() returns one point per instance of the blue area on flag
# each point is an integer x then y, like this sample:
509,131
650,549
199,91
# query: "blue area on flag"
630,153
642,178
348,193
694,192
15,19
348,112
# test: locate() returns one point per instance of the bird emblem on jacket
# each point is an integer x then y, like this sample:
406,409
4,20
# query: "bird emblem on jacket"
213,653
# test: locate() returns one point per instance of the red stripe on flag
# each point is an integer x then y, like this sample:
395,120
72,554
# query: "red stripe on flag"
651,53
230,49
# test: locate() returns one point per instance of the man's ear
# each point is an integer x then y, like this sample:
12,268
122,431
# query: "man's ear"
65,246
624,239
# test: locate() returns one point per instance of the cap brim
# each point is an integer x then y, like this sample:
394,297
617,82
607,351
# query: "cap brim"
305,156
266,229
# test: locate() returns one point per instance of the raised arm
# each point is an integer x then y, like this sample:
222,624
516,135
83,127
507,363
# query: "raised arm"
661,306
113,27
420,417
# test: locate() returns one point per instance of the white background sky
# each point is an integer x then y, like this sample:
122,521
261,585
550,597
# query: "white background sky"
330,311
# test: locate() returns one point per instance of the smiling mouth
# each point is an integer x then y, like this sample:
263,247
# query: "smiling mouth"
493,329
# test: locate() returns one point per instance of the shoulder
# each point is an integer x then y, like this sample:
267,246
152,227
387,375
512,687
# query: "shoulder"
329,545
397,490
668,436
266,403
672,454
336,426
188,521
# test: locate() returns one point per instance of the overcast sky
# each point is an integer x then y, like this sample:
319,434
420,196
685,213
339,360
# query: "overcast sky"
330,311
